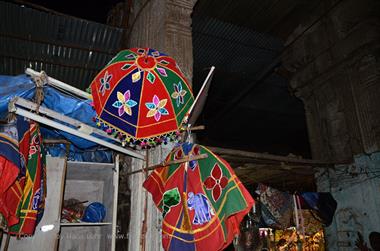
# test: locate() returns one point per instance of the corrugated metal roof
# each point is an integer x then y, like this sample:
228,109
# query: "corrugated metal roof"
67,48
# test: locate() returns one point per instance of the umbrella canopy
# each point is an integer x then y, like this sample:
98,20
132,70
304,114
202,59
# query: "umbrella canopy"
142,97
202,202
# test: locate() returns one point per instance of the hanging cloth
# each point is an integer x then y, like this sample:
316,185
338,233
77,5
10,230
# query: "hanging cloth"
202,201
278,205
33,185
14,147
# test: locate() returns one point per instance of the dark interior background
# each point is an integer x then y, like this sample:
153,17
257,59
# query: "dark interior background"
249,106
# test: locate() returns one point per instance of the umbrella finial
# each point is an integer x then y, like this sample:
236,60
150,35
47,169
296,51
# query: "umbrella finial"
145,56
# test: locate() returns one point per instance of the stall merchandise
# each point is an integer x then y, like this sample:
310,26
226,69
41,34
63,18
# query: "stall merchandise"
202,201
141,97
23,188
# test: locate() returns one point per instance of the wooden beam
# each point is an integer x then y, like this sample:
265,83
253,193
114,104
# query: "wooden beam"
235,154
178,161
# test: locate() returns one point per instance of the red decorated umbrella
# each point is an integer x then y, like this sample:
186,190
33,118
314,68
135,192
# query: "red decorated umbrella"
142,97
202,201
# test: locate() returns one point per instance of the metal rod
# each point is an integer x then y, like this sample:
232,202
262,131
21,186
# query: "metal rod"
188,114
202,88
58,116
75,132
178,161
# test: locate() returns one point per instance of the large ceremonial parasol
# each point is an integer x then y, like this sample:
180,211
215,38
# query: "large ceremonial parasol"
142,97
202,201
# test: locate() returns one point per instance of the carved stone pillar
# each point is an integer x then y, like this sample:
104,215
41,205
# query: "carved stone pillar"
336,73
164,25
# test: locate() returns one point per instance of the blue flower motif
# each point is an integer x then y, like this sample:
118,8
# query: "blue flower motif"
105,83
157,108
124,103
178,93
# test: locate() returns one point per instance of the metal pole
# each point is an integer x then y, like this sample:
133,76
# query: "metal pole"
75,132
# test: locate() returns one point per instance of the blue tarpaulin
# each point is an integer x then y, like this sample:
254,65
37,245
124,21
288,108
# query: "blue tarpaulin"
81,149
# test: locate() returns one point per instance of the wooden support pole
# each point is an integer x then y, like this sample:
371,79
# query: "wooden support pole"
178,161
1,235
197,128
144,228
59,141
7,242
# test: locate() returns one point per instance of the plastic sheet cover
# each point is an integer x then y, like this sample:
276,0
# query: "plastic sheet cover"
80,149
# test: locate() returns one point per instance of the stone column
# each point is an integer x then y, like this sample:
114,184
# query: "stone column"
337,75
164,25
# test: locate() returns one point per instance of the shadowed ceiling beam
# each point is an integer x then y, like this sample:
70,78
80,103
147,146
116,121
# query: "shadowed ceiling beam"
270,157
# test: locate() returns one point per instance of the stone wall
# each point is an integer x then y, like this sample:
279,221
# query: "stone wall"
356,188
336,72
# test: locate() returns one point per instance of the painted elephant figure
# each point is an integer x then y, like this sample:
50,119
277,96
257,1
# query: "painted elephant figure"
202,207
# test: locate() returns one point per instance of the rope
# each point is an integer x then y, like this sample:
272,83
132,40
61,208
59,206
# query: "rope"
40,81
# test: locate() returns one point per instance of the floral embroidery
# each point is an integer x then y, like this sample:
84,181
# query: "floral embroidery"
157,108
216,182
124,103
105,83
178,93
